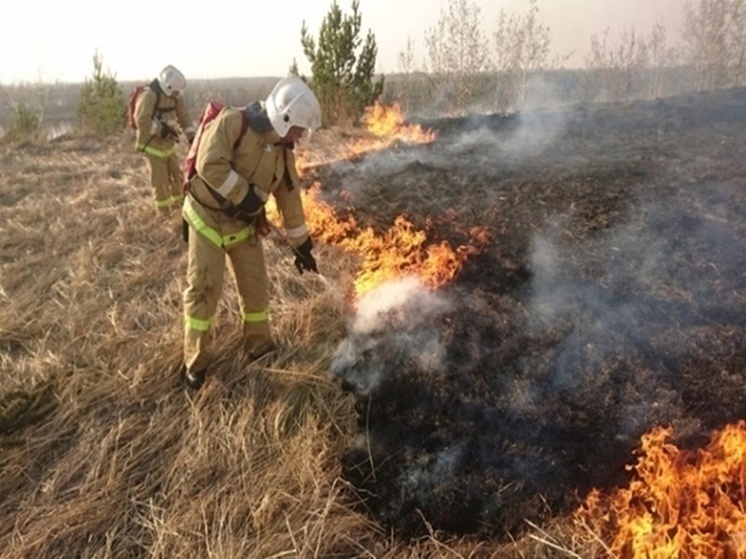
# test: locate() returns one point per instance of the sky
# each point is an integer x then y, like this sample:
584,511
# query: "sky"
54,41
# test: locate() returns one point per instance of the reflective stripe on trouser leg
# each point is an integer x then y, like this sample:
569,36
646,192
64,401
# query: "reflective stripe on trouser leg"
205,272
158,169
247,264
175,180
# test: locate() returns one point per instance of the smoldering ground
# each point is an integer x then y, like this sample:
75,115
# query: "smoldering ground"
611,300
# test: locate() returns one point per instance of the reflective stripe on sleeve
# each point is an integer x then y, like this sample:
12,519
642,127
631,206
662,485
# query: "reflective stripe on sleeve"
263,194
297,232
228,184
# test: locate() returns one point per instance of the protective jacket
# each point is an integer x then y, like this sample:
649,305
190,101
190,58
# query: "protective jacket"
153,109
259,161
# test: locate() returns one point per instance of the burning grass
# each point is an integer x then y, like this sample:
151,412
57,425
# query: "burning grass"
679,503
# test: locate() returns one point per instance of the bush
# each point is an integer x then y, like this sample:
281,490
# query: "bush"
26,123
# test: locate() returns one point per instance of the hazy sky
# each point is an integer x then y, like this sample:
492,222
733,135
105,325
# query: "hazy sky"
54,40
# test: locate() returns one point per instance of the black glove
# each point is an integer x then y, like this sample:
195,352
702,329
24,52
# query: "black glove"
167,131
247,209
303,258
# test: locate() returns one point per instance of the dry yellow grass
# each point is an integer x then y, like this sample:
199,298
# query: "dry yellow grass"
102,452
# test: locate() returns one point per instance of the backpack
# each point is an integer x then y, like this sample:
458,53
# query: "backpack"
209,113
132,101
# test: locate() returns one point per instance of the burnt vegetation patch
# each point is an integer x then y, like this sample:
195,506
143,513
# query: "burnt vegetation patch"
610,299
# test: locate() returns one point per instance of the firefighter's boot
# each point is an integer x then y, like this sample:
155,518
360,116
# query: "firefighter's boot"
193,379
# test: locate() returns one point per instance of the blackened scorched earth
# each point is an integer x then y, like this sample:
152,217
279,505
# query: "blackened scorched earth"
610,299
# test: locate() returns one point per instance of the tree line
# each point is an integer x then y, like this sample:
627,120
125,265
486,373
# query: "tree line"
465,70
471,71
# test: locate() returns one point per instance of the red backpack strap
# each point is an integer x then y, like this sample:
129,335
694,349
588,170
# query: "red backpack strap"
208,114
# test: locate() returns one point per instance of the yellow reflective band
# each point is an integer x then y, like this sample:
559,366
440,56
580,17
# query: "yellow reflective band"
233,238
198,324
163,203
200,225
177,199
162,153
210,234
261,316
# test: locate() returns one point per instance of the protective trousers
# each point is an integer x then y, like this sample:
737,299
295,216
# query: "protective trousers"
205,276
167,180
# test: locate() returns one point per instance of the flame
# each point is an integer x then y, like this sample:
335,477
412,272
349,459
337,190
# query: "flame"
384,127
400,251
386,124
685,504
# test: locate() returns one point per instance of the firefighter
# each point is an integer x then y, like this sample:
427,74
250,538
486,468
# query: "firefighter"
243,156
159,110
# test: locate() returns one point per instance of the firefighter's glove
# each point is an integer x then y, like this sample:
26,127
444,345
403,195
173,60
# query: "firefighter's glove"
167,131
304,260
249,208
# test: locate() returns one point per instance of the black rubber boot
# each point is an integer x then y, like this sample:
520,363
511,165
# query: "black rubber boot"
193,379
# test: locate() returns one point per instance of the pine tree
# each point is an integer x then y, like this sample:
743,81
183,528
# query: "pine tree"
342,65
101,108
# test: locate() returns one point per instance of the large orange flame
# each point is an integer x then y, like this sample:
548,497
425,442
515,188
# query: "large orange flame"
680,504
388,123
400,251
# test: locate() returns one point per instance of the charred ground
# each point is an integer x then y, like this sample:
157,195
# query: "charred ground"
610,299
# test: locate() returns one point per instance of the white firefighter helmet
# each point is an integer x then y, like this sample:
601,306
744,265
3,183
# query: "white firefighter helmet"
172,81
292,103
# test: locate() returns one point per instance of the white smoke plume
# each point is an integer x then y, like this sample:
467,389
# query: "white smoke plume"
392,325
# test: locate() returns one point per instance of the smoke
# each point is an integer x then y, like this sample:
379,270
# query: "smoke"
525,134
483,141
665,271
647,300
541,92
480,141
392,327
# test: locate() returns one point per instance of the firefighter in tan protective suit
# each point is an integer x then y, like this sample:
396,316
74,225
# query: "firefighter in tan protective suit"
159,109
243,156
